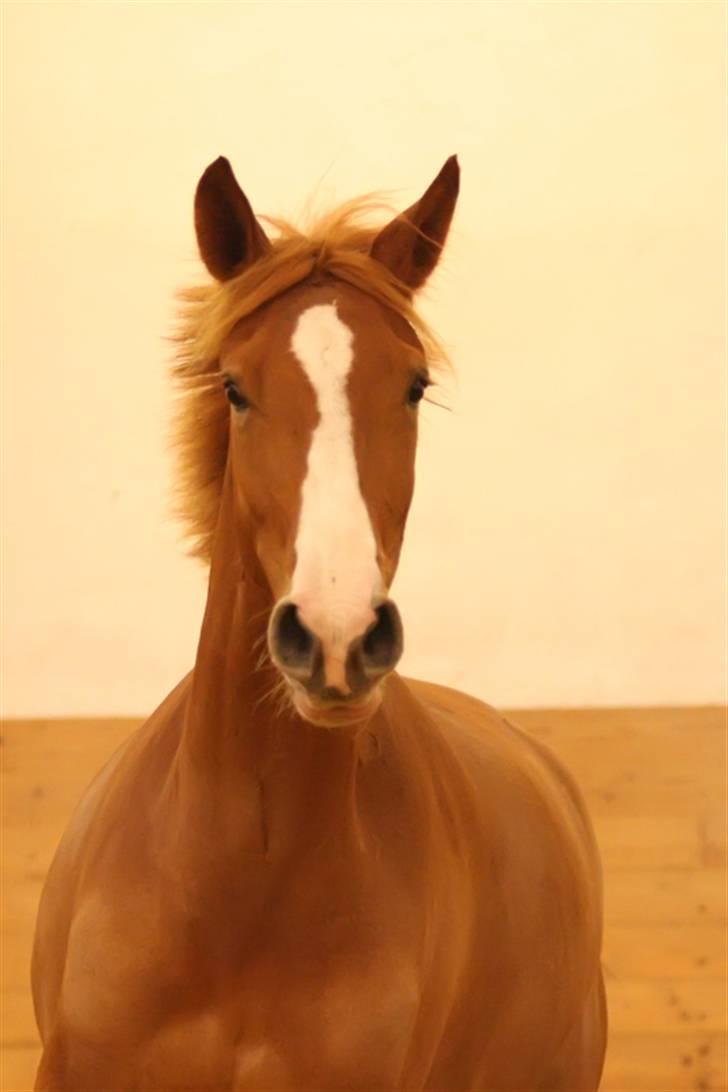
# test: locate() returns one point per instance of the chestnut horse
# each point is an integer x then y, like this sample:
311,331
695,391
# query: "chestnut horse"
304,871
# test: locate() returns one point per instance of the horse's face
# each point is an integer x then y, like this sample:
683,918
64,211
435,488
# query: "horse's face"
324,384
324,390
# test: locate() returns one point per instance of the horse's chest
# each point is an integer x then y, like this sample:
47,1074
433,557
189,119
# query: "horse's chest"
314,1028
290,998
328,1005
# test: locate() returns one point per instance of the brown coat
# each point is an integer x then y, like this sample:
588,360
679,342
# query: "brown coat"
246,901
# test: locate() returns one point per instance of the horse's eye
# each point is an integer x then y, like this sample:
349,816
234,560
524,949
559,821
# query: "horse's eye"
417,390
236,398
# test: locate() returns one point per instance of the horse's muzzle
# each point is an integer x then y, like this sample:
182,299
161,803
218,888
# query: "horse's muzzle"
326,677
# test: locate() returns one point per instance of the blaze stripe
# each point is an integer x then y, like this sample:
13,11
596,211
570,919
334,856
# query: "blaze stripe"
336,576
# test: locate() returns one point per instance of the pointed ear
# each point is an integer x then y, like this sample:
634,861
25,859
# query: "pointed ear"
228,234
410,246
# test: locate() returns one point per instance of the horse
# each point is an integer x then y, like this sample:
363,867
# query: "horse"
304,871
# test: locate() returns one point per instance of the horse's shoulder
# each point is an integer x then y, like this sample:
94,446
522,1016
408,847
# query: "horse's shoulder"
464,719
439,699
472,728
134,747
89,825
506,763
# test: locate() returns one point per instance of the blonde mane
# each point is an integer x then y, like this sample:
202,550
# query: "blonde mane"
338,245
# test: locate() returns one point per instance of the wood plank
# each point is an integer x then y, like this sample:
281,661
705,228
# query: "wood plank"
666,896
666,1006
16,948
18,1065
690,1061
665,951
18,1018
611,722
649,842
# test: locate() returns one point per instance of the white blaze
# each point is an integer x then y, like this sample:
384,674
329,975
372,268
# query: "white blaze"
336,577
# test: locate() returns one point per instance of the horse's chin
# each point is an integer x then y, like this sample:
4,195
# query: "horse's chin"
333,714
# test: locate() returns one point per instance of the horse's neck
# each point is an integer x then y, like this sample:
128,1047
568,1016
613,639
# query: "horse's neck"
231,677
249,769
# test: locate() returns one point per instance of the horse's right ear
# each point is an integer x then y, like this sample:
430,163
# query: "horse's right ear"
228,234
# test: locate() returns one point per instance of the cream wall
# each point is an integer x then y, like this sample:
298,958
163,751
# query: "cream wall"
567,538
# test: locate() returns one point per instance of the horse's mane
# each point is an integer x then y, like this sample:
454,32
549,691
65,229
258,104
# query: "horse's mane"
337,245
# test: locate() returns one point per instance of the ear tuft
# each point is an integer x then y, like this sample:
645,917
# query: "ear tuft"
228,234
410,246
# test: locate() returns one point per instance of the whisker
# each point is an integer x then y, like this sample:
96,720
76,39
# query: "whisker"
285,703
440,405
277,686
263,660
259,614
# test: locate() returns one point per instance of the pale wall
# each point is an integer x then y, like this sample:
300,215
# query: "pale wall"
566,542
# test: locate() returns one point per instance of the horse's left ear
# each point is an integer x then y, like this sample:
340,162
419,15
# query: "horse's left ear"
228,234
410,246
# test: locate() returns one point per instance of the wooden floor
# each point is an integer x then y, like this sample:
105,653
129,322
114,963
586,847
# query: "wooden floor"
655,780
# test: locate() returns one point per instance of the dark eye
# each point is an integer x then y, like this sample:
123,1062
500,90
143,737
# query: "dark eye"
417,390
235,396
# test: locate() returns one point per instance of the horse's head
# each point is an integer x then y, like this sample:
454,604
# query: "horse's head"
323,381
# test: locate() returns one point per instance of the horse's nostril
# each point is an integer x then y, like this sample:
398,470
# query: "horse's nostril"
293,645
319,667
382,644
